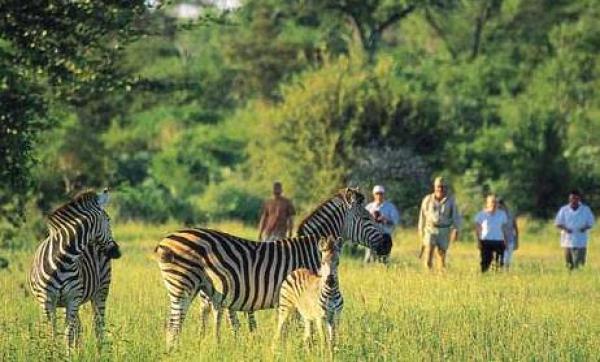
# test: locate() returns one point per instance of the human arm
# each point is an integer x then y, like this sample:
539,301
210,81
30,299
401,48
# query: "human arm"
504,229
456,221
290,220
478,234
516,229
263,221
589,220
560,222
421,223
290,226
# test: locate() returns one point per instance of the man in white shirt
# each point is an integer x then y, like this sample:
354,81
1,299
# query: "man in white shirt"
385,214
574,220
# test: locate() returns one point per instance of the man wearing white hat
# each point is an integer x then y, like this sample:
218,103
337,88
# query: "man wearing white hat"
438,220
384,213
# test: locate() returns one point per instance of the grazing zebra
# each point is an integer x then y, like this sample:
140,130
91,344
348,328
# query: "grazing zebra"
244,275
316,297
72,265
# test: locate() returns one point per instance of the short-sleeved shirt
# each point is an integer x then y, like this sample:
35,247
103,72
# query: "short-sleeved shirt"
276,212
492,224
389,211
574,220
436,214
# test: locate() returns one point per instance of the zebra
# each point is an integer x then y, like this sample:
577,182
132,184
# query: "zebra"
316,297
245,275
72,265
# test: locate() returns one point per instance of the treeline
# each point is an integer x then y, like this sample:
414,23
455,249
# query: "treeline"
193,121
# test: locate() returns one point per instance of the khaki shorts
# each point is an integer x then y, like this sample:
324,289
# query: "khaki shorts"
438,237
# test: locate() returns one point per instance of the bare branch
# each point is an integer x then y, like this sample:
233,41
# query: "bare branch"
439,32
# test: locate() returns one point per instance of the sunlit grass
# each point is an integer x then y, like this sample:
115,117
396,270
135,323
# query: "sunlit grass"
398,312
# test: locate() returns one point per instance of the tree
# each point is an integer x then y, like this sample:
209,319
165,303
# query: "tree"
58,50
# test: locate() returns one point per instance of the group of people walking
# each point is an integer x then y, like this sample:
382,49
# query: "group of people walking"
496,229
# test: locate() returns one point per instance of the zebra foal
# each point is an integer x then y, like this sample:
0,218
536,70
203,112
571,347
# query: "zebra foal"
72,265
316,296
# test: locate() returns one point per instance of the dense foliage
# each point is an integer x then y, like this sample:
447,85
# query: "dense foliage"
195,122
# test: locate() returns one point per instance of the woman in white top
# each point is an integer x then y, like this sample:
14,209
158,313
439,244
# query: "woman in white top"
512,233
490,229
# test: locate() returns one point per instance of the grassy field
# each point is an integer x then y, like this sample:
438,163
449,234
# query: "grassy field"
537,311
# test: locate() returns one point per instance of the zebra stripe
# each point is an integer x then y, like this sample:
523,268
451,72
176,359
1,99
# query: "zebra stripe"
245,275
72,265
317,297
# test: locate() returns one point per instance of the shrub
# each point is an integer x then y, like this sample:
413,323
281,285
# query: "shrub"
229,200
151,202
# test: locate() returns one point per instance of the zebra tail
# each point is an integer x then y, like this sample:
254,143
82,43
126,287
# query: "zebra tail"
164,254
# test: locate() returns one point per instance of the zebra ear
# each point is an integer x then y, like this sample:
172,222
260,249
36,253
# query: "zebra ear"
348,196
323,243
103,198
353,196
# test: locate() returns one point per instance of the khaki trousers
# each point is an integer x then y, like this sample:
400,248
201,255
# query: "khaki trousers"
435,242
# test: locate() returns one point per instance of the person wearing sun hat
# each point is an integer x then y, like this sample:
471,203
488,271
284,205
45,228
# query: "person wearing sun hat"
385,214
439,221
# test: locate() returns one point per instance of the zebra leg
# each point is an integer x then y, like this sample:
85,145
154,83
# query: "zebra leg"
331,333
251,321
179,308
322,340
307,333
73,331
368,256
281,325
233,320
49,311
218,317
205,308
99,307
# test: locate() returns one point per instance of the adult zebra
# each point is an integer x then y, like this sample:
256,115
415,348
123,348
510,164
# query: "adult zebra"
72,265
244,275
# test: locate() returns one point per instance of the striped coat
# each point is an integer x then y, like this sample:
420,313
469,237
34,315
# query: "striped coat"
316,296
245,275
72,265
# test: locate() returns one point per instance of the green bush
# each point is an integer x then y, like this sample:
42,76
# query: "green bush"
229,200
26,234
153,203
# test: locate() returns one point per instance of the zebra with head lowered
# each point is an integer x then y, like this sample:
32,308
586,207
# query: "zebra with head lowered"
72,265
245,275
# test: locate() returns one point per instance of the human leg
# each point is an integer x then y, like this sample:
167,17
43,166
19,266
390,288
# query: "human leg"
441,258
486,256
569,258
579,256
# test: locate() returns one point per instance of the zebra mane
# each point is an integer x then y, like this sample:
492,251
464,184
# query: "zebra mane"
82,198
318,208
341,195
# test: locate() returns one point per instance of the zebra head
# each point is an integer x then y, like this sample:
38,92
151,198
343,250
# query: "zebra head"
103,236
330,248
359,227
344,215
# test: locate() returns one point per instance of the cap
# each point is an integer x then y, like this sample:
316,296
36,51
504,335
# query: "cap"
378,189
439,181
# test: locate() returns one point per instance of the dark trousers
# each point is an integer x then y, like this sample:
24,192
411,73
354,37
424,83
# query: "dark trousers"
491,250
575,257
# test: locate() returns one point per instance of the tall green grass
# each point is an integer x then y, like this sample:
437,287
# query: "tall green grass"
537,311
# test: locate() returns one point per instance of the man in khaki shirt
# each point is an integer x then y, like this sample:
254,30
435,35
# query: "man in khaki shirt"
277,219
439,221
